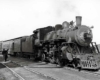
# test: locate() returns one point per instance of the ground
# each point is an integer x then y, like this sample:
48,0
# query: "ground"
50,70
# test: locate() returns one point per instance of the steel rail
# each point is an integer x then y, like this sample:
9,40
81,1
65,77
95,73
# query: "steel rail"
36,72
14,73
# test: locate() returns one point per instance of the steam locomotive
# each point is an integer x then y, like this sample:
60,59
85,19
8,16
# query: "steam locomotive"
65,44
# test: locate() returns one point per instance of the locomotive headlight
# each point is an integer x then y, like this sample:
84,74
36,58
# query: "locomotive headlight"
89,36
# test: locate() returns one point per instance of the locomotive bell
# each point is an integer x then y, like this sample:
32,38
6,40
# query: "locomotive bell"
78,20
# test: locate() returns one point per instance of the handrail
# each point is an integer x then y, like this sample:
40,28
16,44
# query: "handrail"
95,46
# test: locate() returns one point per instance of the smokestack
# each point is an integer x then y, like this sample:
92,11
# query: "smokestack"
78,20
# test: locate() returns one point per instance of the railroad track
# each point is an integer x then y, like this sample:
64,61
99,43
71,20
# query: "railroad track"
21,63
67,68
23,69
14,73
49,77
97,73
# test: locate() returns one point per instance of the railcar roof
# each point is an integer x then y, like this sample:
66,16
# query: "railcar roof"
14,38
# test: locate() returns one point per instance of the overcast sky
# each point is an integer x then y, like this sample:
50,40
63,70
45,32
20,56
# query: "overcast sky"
21,17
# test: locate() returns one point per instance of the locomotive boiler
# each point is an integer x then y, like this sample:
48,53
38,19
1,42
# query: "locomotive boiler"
72,44
80,33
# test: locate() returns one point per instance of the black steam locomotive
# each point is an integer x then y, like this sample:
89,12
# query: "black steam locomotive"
65,44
